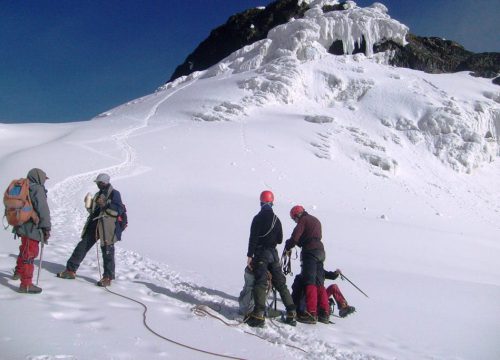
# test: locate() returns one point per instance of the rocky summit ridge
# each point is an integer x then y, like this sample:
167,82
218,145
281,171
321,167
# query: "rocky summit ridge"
429,54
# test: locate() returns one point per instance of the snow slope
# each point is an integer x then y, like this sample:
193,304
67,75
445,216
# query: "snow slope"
400,166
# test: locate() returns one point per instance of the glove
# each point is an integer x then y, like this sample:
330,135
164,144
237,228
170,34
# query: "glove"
101,201
289,245
46,236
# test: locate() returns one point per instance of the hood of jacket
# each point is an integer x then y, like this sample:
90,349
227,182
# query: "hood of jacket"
37,176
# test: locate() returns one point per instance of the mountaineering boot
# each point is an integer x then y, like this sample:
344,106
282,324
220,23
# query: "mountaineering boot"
306,318
346,310
255,320
290,318
30,289
105,281
323,317
66,274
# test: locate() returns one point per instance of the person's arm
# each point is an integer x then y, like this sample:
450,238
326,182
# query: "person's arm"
253,241
41,206
296,234
279,231
332,275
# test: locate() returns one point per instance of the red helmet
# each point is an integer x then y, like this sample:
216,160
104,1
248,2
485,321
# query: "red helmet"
296,211
266,197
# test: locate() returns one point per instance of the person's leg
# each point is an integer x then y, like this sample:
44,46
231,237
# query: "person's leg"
256,317
309,278
312,299
81,250
245,300
19,263
260,286
108,257
323,305
298,292
334,291
279,283
29,253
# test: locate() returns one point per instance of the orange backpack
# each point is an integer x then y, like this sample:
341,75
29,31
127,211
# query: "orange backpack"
17,201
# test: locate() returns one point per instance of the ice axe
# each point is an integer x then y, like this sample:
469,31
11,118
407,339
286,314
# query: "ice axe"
343,277
40,263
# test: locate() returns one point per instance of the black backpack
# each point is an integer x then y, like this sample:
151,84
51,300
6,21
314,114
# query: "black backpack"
123,218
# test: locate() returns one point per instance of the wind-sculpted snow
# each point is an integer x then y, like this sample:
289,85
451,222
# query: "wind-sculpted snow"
462,131
310,38
292,66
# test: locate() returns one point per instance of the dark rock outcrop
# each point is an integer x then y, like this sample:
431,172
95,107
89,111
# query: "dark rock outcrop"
429,54
240,30
436,55
484,65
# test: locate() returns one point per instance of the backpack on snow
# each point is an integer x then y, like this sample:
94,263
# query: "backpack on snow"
17,202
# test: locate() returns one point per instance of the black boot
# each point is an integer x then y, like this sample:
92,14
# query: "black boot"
307,318
30,289
255,320
291,317
323,317
104,282
346,310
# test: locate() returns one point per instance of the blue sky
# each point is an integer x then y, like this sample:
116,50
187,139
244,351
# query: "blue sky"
69,60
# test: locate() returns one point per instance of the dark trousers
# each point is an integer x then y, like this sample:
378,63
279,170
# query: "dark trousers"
88,241
267,260
312,271
313,277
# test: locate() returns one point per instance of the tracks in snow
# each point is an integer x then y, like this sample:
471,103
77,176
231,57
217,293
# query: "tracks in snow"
150,278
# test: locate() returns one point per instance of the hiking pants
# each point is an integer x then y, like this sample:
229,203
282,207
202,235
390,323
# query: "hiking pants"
333,290
245,300
266,260
299,296
83,247
108,257
313,276
88,241
28,251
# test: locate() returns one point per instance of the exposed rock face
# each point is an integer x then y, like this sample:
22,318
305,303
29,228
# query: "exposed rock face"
429,54
240,30
435,55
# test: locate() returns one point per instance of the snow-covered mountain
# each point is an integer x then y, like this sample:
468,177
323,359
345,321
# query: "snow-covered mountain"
400,166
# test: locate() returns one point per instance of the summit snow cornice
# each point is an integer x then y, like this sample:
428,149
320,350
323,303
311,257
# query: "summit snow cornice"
368,30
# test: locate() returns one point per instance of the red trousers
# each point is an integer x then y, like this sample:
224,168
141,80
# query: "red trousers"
333,290
316,296
28,251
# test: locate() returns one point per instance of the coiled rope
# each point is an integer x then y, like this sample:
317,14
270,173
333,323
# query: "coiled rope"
144,321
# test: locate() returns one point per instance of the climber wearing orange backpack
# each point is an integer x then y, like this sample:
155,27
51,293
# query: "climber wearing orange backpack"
27,210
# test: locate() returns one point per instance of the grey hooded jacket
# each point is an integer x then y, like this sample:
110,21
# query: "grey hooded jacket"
38,195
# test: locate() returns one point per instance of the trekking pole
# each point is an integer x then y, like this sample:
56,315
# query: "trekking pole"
342,276
40,263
